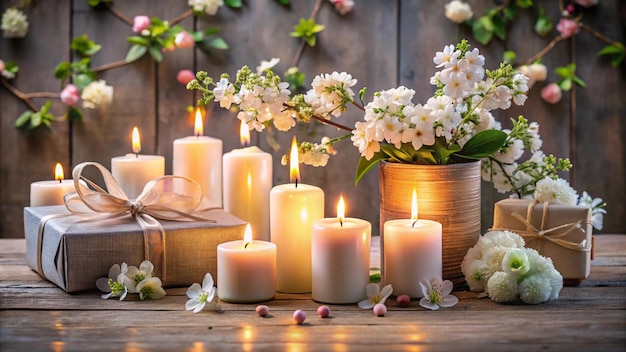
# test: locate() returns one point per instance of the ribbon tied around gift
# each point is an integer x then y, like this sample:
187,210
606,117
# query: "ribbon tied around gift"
173,198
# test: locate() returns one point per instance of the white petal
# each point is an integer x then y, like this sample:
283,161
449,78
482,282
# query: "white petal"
192,303
147,267
446,288
103,284
449,301
124,268
424,302
372,290
385,293
107,295
207,283
115,271
124,294
365,304
199,307
194,291
425,286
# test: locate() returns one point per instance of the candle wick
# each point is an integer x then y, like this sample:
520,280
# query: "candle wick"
246,245
413,224
341,222
296,182
137,155
60,181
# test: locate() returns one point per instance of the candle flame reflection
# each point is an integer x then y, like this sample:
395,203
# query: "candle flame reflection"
247,236
244,134
58,172
294,170
198,128
341,210
414,205
136,141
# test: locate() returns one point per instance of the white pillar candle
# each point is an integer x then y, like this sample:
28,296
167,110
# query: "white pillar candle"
247,184
199,158
246,270
412,253
293,209
51,192
340,253
132,171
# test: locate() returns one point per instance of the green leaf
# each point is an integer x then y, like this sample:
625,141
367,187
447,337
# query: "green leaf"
566,84
73,114
93,3
156,54
499,27
510,12
399,155
82,80
135,52
543,25
563,71
375,278
35,120
135,39
211,31
509,56
85,47
612,49
524,3
362,92
283,2
483,144
11,66
482,30
579,81
233,3
366,165
23,119
217,43
63,70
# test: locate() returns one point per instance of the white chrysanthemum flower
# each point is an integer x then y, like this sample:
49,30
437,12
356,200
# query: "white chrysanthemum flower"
555,191
476,274
97,94
375,295
515,261
201,297
502,238
14,23
502,287
535,289
150,288
458,11
437,294
209,7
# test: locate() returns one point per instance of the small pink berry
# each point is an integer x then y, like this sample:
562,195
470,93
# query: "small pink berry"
1,66
299,316
323,311
262,310
184,40
380,310
185,76
403,301
551,93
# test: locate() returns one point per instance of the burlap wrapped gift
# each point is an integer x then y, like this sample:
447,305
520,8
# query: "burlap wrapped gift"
169,223
561,232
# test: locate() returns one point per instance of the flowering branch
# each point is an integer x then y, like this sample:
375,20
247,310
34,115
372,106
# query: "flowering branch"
118,14
303,42
181,17
110,66
545,50
18,93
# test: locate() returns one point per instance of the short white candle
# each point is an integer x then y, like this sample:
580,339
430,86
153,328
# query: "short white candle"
340,253
199,158
293,209
51,192
246,270
412,253
247,185
134,170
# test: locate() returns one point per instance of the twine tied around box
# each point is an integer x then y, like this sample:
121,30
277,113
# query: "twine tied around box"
533,233
156,202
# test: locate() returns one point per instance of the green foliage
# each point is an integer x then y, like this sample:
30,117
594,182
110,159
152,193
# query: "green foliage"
30,120
11,66
80,72
509,56
543,24
135,52
73,114
307,29
295,78
84,47
94,3
616,51
284,2
568,77
234,3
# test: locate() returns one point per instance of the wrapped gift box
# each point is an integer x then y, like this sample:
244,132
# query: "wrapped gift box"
569,245
76,252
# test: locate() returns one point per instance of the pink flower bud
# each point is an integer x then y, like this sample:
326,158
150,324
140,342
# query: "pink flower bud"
1,66
185,76
380,310
299,316
140,23
184,40
70,95
567,27
262,310
551,93
587,3
323,311
403,301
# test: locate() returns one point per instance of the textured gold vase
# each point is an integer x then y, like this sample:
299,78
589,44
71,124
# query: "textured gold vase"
449,194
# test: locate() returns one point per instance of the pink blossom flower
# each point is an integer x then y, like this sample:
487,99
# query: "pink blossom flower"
140,23
184,40
551,93
185,76
343,6
567,27
1,65
587,3
70,95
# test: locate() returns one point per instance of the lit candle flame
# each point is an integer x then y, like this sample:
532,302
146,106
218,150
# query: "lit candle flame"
414,206
247,236
198,129
294,171
136,141
341,210
244,134
58,172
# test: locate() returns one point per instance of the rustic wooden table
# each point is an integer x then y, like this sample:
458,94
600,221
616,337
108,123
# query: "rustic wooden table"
35,315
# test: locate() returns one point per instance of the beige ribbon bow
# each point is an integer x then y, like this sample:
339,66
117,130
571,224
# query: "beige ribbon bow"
157,201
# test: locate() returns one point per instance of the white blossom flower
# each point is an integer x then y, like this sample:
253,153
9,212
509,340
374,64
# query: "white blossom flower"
343,6
555,191
535,72
150,288
224,92
597,209
14,23
511,152
437,294
515,261
113,284
209,7
458,11
133,275
97,94
200,296
448,56
266,65
330,93
375,295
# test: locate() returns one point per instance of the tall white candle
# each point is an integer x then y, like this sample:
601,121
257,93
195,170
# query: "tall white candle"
412,253
134,170
199,158
246,270
247,184
293,209
51,192
340,253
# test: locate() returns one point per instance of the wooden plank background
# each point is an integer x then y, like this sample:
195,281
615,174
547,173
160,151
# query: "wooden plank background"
381,43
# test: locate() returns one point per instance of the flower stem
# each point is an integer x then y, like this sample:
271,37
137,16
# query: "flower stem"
181,17
501,165
118,14
111,65
316,10
358,105
545,50
43,95
18,93
332,123
599,35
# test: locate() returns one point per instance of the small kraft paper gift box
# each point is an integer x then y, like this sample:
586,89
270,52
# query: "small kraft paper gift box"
561,232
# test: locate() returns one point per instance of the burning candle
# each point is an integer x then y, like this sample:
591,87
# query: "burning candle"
340,251
247,185
134,170
412,252
199,158
51,192
246,270
293,209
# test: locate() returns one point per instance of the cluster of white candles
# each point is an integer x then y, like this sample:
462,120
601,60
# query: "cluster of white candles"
328,257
